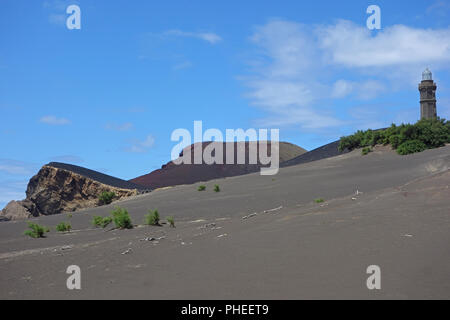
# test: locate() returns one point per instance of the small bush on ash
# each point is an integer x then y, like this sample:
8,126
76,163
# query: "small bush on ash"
171,221
98,221
36,231
106,197
121,218
63,227
152,218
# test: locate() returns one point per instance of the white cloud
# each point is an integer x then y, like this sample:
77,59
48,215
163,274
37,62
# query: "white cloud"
409,115
182,65
351,45
58,8
288,46
141,146
443,108
440,7
365,90
15,167
119,127
58,19
206,36
342,88
274,94
59,5
12,190
294,67
52,120
67,158
285,78
7,195
305,117
136,110
369,116
370,89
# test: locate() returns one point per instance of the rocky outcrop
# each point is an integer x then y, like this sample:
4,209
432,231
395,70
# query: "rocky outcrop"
55,190
18,210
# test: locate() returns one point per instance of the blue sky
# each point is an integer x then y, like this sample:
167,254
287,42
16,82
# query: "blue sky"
109,95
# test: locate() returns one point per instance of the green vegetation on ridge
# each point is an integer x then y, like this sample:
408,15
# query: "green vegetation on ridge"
406,138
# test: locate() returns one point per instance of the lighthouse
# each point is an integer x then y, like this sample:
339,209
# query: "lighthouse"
427,89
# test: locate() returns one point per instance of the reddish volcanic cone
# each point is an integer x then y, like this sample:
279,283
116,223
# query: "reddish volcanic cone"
171,174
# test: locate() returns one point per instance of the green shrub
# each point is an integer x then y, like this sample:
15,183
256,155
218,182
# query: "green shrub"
395,140
121,218
411,146
319,200
433,133
424,134
366,150
98,221
63,227
171,221
152,218
106,197
216,188
201,188
36,231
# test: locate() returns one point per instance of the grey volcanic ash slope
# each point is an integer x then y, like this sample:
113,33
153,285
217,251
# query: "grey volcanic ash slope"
171,174
398,220
59,187
326,151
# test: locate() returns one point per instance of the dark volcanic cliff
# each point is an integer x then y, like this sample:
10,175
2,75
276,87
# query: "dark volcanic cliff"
60,188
